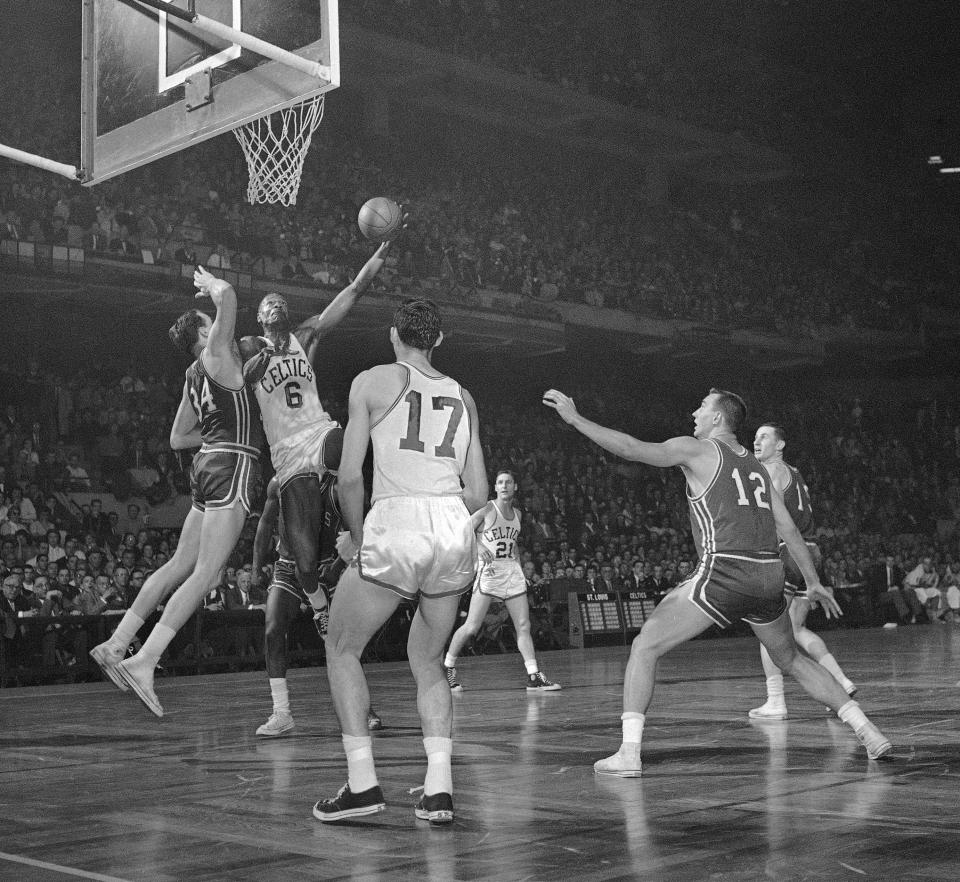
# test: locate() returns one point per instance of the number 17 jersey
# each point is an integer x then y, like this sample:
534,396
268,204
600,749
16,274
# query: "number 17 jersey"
420,444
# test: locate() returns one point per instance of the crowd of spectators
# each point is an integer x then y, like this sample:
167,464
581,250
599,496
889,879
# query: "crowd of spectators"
540,233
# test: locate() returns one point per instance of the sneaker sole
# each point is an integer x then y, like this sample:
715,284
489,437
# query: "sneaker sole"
108,669
774,716
327,817
440,817
882,751
553,688
456,689
275,733
151,704
623,773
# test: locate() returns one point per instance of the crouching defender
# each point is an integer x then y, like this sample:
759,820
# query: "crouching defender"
285,595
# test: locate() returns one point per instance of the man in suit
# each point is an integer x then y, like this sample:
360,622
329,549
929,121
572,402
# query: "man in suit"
657,583
608,582
636,580
885,584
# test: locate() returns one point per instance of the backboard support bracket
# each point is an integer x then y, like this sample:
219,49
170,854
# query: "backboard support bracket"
197,91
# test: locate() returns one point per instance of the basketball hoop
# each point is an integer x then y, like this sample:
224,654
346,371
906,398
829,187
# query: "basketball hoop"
275,147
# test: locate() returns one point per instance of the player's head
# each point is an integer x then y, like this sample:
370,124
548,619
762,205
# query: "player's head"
769,441
505,485
273,313
189,332
720,411
417,325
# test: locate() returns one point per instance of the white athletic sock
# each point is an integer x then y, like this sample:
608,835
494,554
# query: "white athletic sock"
439,772
531,666
126,630
153,647
449,661
361,774
632,727
281,697
775,689
830,663
851,714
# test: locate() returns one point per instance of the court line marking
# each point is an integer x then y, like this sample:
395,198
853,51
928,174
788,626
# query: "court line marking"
69,871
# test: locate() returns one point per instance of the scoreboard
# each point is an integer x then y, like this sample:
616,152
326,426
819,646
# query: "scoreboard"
607,619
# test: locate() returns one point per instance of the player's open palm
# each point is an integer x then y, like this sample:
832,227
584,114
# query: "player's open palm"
562,404
824,596
208,285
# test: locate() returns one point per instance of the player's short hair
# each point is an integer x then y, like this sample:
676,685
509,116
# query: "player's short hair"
733,408
778,430
186,330
509,472
418,324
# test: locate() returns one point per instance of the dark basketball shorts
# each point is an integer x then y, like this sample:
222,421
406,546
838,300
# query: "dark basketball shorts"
793,583
285,579
731,586
220,479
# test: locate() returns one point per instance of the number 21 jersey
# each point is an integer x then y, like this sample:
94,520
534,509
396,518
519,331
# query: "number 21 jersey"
420,444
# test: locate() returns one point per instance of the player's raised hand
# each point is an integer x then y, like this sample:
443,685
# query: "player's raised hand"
562,404
818,593
208,285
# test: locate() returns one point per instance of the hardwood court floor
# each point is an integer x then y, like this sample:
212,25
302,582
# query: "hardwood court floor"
93,786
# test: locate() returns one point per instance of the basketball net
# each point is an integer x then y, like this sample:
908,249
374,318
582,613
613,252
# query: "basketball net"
275,147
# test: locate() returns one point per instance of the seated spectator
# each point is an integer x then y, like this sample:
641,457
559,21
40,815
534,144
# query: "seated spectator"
925,581
885,583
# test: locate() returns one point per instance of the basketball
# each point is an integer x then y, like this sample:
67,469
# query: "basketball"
379,219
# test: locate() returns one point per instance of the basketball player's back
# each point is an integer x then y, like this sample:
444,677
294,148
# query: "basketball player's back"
421,440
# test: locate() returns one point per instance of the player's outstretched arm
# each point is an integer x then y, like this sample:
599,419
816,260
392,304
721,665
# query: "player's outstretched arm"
675,452
789,533
476,488
264,536
185,431
316,326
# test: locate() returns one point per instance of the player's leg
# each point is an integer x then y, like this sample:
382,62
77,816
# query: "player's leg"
359,609
219,531
301,504
674,621
282,609
519,610
431,624
777,637
775,707
159,584
479,604
812,644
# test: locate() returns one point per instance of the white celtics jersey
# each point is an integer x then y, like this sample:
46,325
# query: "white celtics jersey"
286,391
420,444
500,539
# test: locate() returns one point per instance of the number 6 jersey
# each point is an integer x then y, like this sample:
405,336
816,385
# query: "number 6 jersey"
286,390
733,514
420,444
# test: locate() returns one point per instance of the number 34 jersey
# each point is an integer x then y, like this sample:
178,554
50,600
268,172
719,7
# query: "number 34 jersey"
229,418
420,444
733,514
286,390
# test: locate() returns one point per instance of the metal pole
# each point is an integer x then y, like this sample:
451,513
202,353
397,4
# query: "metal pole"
60,168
